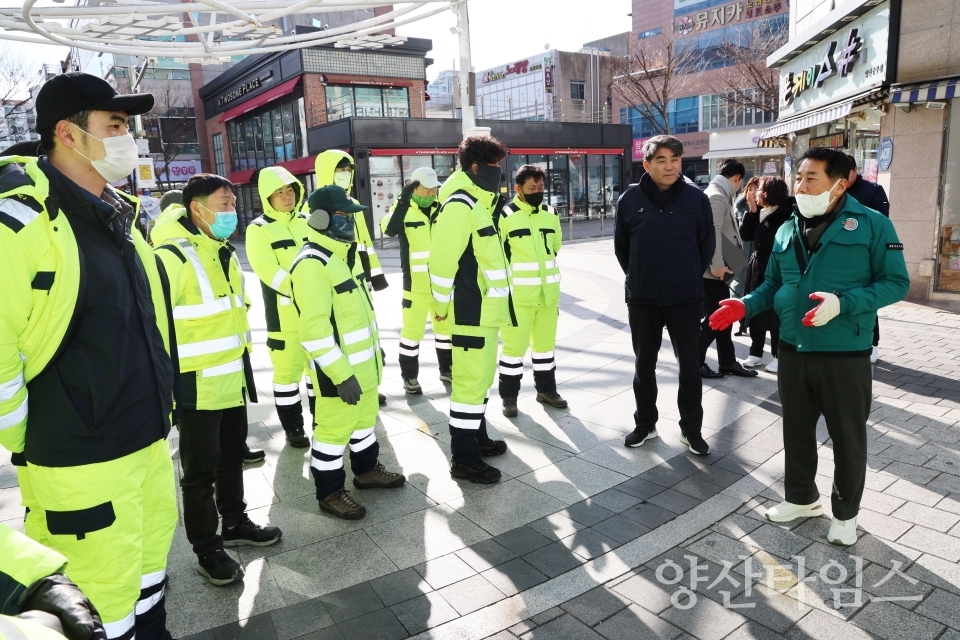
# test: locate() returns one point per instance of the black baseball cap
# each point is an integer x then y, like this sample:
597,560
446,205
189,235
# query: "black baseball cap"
62,96
331,199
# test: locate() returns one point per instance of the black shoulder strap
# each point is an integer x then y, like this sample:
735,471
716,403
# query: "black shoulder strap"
174,356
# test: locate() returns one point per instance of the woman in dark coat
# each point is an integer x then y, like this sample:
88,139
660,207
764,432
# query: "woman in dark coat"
775,208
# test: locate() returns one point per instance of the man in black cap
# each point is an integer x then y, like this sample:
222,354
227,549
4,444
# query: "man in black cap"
86,379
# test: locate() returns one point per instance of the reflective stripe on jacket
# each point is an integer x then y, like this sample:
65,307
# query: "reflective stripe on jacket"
39,290
209,312
468,271
338,325
531,241
273,242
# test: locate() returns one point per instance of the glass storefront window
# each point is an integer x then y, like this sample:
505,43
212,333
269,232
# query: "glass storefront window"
339,103
611,183
578,189
595,186
398,103
409,163
369,102
557,184
444,166
513,165
385,185
948,254
278,149
288,130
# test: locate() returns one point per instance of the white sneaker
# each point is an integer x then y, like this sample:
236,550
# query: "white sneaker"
787,511
772,367
874,355
843,531
751,361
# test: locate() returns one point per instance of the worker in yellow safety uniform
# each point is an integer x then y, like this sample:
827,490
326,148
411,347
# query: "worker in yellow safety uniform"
273,241
86,379
337,167
530,231
216,376
411,219
471,285
338,329
37,601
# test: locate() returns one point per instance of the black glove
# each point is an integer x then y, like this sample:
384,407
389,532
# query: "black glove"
56,595
404,198
349,390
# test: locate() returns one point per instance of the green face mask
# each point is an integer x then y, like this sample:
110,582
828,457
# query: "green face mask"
423,201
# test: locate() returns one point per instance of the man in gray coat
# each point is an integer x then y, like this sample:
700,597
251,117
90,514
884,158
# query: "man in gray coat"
721,191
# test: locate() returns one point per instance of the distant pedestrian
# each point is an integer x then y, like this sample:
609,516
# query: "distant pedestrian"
760,227
721,192
664,240
848,260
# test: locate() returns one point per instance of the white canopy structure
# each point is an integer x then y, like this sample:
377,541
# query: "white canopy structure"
215,30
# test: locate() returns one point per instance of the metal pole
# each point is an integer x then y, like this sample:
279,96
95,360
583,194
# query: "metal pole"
570,218
468,122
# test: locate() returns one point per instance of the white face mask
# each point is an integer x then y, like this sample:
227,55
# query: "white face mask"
343,179
120,159
813,206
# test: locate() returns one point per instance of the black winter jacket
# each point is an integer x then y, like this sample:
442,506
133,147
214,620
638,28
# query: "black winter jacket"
664,242
761,234
871,195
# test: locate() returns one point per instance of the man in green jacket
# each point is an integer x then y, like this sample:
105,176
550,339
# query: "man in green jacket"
471,284
832,267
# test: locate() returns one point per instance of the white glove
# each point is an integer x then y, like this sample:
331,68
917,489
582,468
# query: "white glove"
827,310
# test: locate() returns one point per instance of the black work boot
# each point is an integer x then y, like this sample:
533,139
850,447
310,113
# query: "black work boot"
341,505
553,399
510,407
480,473
493,448
218,568
298,439
250,533
379,478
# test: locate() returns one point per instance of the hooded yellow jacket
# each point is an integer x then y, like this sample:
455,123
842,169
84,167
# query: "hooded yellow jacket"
273,241
368,267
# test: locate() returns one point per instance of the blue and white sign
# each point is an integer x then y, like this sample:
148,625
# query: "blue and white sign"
885,154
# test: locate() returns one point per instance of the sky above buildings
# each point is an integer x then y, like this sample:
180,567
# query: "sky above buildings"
501,31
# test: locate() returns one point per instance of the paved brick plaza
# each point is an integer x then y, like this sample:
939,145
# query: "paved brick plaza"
584,538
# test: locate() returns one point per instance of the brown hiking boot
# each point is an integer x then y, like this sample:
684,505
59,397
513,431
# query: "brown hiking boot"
341,505
379,478
553,399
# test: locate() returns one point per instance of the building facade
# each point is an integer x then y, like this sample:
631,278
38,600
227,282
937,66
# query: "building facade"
584,162
709,126
258,112
556,86
878,79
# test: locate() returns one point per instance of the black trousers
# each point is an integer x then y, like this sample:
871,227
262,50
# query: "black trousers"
212,444
760,324
683,326
876,333
839,389
713,292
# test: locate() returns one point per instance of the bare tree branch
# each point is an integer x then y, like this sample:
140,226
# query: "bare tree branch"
748,84
170,126
660,70
16,82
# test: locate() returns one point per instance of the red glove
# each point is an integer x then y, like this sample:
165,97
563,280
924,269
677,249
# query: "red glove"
729,312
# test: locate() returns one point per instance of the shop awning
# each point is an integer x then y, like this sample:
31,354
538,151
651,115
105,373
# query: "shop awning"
746,153
942,89
298,167
807,120
253,103
820,116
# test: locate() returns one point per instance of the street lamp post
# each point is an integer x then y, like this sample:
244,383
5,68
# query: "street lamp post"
468,121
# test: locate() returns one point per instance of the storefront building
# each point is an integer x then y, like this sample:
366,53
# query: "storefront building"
834,80
259,111
741,144
584,162
893,110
